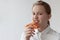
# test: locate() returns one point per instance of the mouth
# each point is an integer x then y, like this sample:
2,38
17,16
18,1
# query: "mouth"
36,21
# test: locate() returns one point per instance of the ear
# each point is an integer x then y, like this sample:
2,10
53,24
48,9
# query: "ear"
49,16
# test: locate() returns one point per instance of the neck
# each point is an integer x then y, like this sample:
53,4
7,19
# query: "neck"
42,27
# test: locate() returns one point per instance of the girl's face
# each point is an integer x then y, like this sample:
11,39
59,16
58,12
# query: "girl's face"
40,15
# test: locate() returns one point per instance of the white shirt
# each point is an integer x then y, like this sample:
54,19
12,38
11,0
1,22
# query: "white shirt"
47,34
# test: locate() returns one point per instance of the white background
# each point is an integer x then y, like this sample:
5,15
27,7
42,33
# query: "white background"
15,14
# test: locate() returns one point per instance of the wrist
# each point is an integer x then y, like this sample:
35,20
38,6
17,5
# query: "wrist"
27,38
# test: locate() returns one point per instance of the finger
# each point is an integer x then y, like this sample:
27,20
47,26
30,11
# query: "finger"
30,32
29,35
30,26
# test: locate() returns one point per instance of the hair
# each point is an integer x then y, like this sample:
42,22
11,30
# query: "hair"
46,6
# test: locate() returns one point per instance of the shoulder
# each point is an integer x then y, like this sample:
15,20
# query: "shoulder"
53,32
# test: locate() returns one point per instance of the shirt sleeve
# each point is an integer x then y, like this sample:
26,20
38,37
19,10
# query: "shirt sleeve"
22,36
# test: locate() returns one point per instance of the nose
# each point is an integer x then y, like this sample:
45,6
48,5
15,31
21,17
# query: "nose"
36,16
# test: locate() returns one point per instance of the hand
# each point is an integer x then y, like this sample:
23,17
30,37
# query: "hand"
29,31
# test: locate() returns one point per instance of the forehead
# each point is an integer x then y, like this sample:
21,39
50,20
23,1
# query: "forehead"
38,8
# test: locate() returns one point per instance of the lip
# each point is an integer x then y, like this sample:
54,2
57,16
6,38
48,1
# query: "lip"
36,21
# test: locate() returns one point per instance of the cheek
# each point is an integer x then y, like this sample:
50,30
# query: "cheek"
33,16
43,18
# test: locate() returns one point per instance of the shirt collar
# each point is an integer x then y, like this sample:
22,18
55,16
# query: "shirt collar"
45,31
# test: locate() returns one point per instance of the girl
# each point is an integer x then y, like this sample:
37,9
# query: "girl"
41,15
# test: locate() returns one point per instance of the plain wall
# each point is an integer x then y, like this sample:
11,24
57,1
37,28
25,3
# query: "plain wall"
15,14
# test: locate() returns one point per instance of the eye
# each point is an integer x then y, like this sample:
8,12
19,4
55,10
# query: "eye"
33,13
40,13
